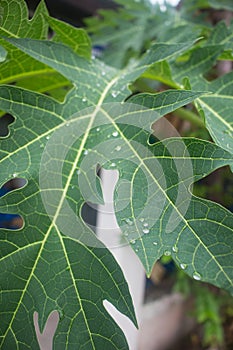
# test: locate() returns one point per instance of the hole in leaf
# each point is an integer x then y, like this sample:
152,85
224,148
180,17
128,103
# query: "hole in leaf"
45,339
11,221
5,121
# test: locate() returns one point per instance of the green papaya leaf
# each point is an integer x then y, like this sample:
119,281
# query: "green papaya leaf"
76,38
217,108
70,284
21,69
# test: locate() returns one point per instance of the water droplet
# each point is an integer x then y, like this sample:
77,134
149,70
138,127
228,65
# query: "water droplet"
183,266
228,146
72,187
84,99
47,137
98,85
129,222
115,133
67,124
141,220
133,242
41,145
103,73
113,164
93,57
114,94
78,172
137,250
167,253
145,230
85,152
196,276
175,249
155,243
97,129
14,175
117,148
145,224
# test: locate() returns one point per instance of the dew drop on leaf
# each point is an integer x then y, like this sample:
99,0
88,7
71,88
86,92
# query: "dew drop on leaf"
114,94
133,242
103,73
175,249
47,137
84,99
113,165
115,133
117,148
145,230
141,220
14,175
97,129
196,276
129,222
183,266
155,243
145,224
85,152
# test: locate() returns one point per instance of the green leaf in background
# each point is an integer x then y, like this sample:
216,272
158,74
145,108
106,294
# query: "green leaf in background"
15,23
223,35
217,108
221,4
76,38
23,70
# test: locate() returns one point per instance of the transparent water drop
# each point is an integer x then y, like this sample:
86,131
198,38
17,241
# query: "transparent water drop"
155,243
47,137
129,222
67,124
103,73
145,224
175,249
117,148
183,266
98,85
113,165
141,219
196,276
97,129
84,99
14,175
167,253
133,242
114,94
145,230
137,250
85,152
115,133
78,172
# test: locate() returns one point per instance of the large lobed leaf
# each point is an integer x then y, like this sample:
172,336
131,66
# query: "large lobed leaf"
56,262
